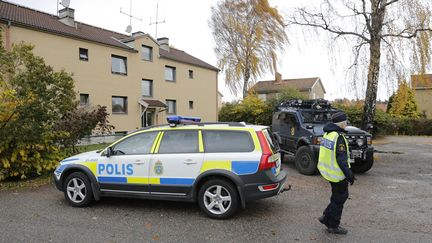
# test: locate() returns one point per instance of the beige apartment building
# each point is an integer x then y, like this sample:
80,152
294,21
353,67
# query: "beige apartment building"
141,80
422,85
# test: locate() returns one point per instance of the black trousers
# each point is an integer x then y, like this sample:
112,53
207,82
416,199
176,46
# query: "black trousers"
333,212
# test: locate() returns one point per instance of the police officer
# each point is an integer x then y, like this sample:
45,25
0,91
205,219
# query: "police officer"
334,166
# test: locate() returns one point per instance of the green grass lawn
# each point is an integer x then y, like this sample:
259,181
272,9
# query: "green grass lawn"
46,178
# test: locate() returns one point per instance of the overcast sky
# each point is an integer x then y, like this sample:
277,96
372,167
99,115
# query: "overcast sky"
186,26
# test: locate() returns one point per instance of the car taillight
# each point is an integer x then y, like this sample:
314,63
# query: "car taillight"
268,187
267,161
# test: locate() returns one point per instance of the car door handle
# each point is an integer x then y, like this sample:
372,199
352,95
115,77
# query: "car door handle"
138,162
189,162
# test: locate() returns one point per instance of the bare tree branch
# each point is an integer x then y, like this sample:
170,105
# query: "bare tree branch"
407,35
323,24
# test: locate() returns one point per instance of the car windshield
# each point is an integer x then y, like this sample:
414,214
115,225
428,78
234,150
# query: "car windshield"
316,116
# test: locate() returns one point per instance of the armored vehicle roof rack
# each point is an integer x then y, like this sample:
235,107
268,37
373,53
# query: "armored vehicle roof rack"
306,104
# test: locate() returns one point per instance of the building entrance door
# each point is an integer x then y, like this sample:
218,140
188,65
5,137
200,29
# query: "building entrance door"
147,119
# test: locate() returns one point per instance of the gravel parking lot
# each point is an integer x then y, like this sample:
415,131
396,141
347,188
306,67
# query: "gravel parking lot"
391,203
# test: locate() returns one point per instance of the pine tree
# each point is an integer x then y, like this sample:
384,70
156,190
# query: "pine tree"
403,104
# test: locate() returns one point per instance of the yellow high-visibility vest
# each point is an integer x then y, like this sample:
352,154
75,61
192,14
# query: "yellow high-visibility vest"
327,164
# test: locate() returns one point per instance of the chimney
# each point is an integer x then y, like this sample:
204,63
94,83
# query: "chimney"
66,16
278,78
164,43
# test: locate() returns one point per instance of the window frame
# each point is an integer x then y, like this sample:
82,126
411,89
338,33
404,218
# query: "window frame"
151,53
86,53
212,130
175,106
138,134
173,131
174,73
151,87
88,99
125,63
125,104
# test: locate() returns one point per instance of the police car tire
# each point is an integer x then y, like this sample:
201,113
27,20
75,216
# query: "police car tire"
232,191
88,195
310,168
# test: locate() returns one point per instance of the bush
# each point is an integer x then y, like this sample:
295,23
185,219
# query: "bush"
251,110
33,97
81,122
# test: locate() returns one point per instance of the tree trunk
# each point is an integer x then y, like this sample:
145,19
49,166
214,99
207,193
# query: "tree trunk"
245,83
377,19
372,84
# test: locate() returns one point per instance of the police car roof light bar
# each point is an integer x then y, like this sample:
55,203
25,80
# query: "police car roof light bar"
174,120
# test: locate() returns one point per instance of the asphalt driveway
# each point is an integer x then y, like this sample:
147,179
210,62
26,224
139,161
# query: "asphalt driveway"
391,203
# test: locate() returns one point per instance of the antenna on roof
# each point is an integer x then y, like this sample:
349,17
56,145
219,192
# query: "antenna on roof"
156,22
129,27
64,3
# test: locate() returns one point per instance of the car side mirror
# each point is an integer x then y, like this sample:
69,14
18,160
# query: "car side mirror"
108,152
309,126
369,126
278,137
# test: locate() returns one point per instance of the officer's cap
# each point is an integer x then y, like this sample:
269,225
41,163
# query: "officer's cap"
339,117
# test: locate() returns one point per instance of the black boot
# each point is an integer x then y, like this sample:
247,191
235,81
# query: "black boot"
322,219
337,230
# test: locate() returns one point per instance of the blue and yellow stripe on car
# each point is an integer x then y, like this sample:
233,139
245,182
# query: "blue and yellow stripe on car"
237,167
146,180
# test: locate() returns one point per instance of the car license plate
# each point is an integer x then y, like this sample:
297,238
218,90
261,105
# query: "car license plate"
356,154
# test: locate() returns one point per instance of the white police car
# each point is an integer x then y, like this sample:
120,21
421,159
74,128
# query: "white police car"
220,165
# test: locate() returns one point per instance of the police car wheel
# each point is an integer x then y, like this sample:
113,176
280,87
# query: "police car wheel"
218,198
305,161
77,190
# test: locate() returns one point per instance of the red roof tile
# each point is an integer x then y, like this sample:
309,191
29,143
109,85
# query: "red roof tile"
302,84
27,17
181,56
30,18
421,81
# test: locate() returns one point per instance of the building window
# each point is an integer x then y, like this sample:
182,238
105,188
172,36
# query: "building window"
172,106
147,88
83,54
191,104
84,99
190,73
119,104
118,64
147,53
170,73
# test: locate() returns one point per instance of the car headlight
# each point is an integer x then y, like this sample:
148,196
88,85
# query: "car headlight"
360,142
317,140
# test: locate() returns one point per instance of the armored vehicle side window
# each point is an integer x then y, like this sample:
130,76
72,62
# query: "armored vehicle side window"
136,144
227,141
179,142
290,119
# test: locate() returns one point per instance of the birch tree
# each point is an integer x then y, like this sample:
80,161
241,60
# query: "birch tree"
248,36
390,39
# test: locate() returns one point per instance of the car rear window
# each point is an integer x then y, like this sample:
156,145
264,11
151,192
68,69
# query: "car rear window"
227,141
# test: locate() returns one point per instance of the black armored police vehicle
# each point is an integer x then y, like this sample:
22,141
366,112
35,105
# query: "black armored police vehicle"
300,123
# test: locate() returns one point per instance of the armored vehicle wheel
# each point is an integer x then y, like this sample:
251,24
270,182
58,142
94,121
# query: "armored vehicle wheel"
361,166
305,161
